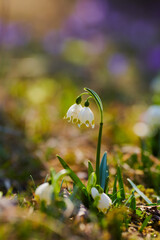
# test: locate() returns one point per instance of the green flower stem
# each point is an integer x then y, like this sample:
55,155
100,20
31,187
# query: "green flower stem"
89,97
84,93
98,152
100,106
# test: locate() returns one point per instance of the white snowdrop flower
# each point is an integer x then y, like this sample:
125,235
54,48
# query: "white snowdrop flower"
86,117
72,113
44,191
104,202
152,116
141,129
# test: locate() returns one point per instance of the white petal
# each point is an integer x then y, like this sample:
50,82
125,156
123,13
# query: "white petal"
94,192
152,115
69,207
104,202
44,191
73,111
86,117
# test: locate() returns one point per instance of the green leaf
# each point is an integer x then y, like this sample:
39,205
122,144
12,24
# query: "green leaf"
34,185
96,97
61,174
106,187
144,224
90,169
139,213
133,202
114,194
72,175
91,182
103,171
120,181
139,192
128,200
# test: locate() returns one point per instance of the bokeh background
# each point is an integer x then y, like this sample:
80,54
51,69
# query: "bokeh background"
108,45
49,51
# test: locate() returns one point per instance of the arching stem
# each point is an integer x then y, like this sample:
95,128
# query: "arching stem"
100,106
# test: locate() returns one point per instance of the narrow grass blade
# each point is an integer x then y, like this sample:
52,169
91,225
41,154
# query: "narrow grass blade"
34,185
46,178
90,169
103,171
61,174
114,194
72,175
61,184
139,192
120,181
144,224
128,200
133,202
106,186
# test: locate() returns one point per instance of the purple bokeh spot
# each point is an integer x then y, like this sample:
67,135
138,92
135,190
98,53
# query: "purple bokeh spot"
141,33
53,42
117,64
88,19
96,45
89,12
154,59
13,35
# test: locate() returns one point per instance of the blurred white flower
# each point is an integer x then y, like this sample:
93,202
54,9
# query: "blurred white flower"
69,207
86,117
152,116
141,129
44,191
104,202
72,113
155,85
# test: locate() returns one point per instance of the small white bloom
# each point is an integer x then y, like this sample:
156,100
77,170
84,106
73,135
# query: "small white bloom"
44,191
104,201
152,116
69,207
141,129
73,111
86,117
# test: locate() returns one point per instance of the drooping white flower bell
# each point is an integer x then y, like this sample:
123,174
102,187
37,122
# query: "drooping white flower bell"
72,113
86,117
104,202
44,191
